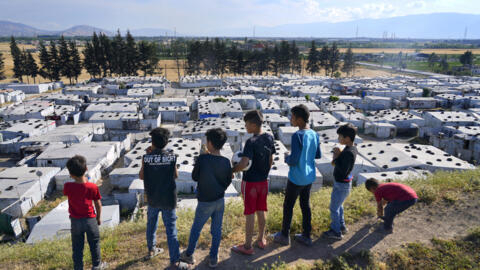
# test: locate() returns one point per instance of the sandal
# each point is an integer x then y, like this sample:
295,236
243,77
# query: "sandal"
261,244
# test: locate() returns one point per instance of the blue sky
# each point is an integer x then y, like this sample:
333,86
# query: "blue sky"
203,16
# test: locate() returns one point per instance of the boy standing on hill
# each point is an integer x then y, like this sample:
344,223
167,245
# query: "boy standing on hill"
344,161
159,172
305,149
84,219
259,150
213,173
398,197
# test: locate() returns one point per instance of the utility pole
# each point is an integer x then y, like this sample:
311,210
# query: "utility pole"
175,51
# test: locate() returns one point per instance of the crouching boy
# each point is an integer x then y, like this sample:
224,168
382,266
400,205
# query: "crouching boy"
398,198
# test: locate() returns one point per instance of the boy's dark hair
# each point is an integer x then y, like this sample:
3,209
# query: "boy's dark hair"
254,116
371,183
217,137
301,111
160,137
77,165
347,130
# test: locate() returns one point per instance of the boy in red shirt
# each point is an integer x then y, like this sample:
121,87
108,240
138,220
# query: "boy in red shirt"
398,197
83,218
259,149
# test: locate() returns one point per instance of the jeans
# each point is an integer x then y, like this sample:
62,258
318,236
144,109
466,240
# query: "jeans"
291,194
339,193
169,218
394,208
204,211
80,226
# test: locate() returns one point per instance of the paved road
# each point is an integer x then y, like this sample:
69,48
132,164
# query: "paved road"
425,73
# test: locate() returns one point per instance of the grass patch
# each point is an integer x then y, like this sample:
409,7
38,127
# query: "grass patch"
126,244
442,254
46,205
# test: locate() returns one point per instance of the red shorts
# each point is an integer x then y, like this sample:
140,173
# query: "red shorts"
254,196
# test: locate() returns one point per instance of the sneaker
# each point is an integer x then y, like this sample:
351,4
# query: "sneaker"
185,258
281,239
332,235
307,241
212,263
242,250
101,266
179,265
154,252
344,230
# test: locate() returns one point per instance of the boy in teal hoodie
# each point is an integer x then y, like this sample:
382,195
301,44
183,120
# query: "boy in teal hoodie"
305,149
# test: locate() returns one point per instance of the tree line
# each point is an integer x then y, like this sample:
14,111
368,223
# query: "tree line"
120,56
123,56
214,57
328,59
102,57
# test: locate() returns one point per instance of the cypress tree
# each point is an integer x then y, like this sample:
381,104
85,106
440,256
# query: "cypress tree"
106,54
208,56
240,63
324,57
264,61
117,61
24,59
17,59
295,58
44,62
284,57
194,58
220,54
31,67
131,55
55,64
2,66
64,59
98,58
348,62
89,62
334,58
276,60
313,64
148,57
76,63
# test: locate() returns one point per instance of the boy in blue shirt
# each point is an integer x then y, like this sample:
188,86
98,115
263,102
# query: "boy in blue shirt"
305,149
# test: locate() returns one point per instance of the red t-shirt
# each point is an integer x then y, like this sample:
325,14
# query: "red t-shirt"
395,192
80,196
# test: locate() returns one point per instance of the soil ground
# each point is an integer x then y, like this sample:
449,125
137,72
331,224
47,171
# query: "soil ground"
421,223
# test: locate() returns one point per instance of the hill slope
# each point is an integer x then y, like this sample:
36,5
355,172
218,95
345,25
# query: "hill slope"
428,26
21,30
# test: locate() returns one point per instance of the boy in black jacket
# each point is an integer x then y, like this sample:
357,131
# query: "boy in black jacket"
213,173
344,161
